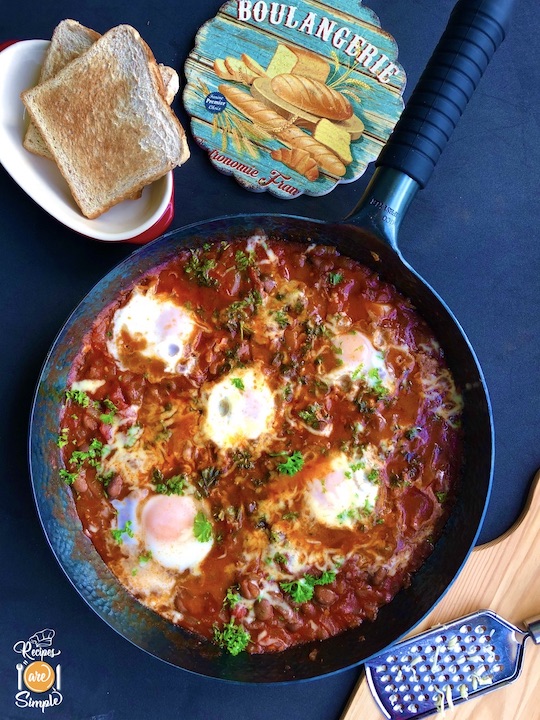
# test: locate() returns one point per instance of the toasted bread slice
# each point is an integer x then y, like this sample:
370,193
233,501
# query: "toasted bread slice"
69,40
106,123
171,81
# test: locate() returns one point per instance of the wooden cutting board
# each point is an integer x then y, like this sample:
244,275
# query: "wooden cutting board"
504,576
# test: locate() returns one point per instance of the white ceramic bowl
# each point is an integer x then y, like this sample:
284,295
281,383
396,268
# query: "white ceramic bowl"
135,221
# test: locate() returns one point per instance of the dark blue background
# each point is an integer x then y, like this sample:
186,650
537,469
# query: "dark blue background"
472,234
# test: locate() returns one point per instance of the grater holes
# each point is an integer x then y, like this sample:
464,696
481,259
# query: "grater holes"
413,708
480,629
440,639
498,668
422,697
386,678
391,688
464,629
470,639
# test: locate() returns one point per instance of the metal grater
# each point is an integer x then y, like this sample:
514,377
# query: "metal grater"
447,665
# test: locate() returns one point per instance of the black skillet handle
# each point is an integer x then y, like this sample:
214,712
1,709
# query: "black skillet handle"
475,30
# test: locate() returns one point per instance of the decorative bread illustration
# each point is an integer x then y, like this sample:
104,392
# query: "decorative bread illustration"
313,96
238,68
336,138
325,158
322,78
299,160
280,128
256,111
253,65
299,61
243,71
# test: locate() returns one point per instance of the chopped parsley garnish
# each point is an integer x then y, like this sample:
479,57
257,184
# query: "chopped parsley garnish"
105,478
242,459
238,312
145,557
91,456
290,515
126,530
233,638
356,513
238,384
376,382
301,590
293,464
208,478
281,318
313,415
107,418
132,435
441,496
232,598
174,485
67,477
373,476
197,268
244,260
62,439
335,278
202,527
357,372
79,397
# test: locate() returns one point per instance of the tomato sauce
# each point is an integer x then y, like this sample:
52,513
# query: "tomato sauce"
297,406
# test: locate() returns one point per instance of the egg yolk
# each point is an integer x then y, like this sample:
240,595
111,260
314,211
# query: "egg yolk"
166,518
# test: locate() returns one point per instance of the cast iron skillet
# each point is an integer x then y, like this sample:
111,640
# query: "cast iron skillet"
475,30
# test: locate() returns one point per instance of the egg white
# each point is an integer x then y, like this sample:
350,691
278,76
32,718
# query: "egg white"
167,528
239,407
360,361
163,525
344,494
163,328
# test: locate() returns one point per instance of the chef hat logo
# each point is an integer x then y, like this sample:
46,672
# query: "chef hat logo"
43,638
